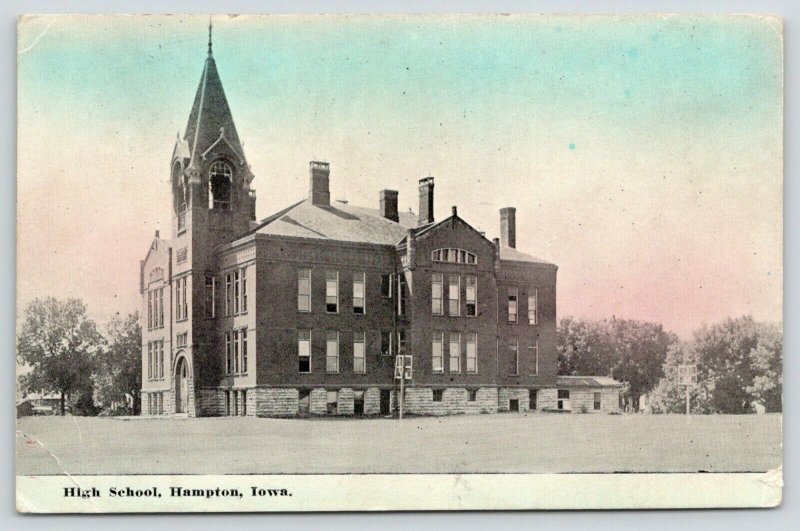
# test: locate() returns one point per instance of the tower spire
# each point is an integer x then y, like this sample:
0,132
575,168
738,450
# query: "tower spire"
209,35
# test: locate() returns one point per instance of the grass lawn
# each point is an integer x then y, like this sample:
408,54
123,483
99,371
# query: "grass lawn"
530,443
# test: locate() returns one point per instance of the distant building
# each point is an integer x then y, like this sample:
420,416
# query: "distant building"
304,312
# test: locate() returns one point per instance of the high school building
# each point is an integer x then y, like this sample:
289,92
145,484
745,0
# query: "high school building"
305,311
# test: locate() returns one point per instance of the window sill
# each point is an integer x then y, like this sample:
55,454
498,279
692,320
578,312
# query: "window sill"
181,320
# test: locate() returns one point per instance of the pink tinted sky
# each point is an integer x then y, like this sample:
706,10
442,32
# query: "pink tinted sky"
644,155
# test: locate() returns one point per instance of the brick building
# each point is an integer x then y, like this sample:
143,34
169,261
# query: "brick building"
304,312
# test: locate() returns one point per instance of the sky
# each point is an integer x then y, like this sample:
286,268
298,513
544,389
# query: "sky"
643,153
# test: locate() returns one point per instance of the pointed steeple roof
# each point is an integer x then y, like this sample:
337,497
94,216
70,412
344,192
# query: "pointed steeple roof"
210,120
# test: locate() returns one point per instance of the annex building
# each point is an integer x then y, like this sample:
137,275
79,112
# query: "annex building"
304,312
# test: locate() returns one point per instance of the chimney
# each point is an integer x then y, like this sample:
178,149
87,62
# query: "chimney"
320,193
388,201
425,201
508,227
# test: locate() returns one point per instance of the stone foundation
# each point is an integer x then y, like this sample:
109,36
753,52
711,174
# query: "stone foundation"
506,394
275,402
210,403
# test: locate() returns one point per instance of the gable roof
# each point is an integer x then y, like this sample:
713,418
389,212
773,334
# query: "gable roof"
337,222
513,255
587,381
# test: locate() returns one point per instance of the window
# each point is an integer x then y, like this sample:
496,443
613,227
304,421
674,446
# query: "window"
235,341
436,293
304,401
149,310
228,407
185,299
161,359
401,294
332,291
533,354
386,285
332,351
161,307
243,349
512,305
244,402
437,353
359,353
332,399
228,354
472,395
437,395
228,294
513,358
563,400
220,177
244,290
236,299
178,301
532,399
597,401
211,300
304,290
149,361
401,341
454,295
359,280
386,343
182,339
455,352
472,353
304,350
458,256
533,299
472,295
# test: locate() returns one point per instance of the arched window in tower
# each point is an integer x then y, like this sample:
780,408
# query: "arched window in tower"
220,177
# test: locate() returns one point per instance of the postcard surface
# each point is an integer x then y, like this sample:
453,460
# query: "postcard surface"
337,263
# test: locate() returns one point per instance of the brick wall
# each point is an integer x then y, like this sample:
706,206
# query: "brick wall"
210,403
419,401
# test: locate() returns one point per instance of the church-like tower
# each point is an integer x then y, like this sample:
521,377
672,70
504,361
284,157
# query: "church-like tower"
212,204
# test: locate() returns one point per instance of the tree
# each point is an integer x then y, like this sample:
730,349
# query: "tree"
59,343
739,364
630,351
119,369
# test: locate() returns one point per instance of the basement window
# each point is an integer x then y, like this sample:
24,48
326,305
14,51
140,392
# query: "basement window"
472,395
437,395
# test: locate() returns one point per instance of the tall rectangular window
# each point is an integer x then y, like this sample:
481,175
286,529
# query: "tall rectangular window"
533,353
359,281
228,294
161,307
386,285
597,401
149,310
454,294
512,305
386,343
332,291
437,353
401,341
228,354
185,314
533,302
236,292
332,351
243,350
149,361
235,342
211,297
436,293
401,294
304,290
178,301
304,350
161,359
244,290
472,353
359,353
455,352
472,295
513,358
332,401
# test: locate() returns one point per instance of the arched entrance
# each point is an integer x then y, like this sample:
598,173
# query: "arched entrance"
181,386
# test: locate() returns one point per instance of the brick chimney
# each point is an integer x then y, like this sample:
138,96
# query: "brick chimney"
425,201
388,201
320,193
508,227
